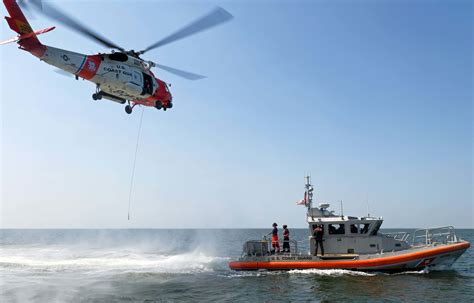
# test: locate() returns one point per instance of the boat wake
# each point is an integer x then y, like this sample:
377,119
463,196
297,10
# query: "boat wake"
345,272
331,272
319,272
107,261
419,272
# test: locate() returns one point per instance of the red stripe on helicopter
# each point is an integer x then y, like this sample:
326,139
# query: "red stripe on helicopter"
90,67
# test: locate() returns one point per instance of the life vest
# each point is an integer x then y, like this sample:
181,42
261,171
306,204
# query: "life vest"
286,234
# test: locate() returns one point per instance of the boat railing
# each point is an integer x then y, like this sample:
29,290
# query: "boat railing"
437,235
293,244
401,235
264,247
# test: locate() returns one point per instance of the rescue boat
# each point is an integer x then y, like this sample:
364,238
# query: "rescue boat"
356,243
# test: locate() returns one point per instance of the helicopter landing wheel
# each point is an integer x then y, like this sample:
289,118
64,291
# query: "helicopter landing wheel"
96,96
158,105
128,109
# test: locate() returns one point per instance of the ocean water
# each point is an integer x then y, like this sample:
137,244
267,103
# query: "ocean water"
157,265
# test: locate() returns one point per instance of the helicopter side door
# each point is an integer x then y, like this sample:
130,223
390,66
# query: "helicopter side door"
147,84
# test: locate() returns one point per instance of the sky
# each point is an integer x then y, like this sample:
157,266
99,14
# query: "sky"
372,98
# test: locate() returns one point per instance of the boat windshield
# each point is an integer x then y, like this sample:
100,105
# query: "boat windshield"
365,228
376,228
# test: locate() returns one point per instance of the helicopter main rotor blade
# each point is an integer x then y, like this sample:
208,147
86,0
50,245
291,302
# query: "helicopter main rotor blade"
54,13
181,73
27,9
213,18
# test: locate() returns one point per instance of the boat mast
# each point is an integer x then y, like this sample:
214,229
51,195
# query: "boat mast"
309,193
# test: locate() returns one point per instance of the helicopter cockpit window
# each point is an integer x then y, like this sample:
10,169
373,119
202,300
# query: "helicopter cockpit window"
121,57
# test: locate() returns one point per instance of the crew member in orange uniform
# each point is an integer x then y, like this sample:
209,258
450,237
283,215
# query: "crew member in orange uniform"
275,244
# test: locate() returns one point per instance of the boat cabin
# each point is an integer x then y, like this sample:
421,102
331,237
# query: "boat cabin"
348,234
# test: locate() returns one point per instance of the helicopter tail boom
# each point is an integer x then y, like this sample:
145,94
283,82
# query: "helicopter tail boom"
27,38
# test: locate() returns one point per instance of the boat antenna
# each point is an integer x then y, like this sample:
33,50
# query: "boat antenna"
367,201
342,212
309,192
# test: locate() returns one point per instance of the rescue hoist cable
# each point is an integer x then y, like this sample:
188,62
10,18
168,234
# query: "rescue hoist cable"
134,163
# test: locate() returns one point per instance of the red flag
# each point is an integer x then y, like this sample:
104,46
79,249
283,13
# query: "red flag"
304,201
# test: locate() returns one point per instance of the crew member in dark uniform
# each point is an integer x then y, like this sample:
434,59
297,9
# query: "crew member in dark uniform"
286,239
318,233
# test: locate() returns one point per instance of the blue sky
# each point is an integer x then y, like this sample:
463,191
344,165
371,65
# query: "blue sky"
370,97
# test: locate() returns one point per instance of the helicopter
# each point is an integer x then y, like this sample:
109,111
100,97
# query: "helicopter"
121,75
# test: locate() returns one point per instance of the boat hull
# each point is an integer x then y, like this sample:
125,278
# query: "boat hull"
432,257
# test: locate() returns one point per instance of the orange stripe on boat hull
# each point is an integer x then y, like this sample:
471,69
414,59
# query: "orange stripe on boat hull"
355,264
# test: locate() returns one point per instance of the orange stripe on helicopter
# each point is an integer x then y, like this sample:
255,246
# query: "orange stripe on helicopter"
90,67
394,260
